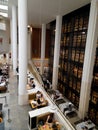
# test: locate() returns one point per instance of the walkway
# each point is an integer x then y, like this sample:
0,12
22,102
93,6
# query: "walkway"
18,114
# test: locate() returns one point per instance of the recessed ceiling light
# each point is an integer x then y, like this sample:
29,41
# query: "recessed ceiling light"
28,26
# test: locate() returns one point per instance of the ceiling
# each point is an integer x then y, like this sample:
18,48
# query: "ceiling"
44,11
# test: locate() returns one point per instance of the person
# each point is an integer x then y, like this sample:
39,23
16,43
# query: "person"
49,120
70,106
17,70
41,98
58,95
10,55
38,94
52,97
38,101
31,83
85,128
4,55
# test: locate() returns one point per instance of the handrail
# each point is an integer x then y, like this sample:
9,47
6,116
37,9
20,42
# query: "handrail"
35,72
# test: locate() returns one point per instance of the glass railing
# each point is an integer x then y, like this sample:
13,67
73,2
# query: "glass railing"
33,69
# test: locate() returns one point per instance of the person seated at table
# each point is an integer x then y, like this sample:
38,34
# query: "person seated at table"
3,79
38,94
84,128
31,83
55,126
70,106
49,120
38,101
42,98
4,55
55,96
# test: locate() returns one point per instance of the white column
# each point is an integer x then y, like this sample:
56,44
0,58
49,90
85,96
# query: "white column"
29,46
43,41
89,59
22,22
14,31
11,34
56,51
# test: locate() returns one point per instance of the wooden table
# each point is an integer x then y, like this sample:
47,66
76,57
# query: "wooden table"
45,127
34,104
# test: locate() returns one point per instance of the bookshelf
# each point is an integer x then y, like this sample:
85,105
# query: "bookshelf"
72,48
51,52
93,104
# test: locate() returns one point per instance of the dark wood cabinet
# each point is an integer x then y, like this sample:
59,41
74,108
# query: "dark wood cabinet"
36,43
48,41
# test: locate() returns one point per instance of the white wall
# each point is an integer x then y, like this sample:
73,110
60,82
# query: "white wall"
5,46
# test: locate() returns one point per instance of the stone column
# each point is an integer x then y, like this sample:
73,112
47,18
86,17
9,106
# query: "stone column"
56,51
22,22
14,35
11,47
89,59
43,41
29,46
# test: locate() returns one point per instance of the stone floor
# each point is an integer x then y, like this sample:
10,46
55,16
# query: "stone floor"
17,119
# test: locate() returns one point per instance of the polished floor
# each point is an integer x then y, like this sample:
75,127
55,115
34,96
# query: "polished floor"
15,116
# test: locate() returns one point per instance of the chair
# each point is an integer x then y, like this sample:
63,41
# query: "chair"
54,126
40,123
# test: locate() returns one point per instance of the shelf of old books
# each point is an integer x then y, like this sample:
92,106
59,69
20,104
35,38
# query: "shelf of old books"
93,105
51,52
72,49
